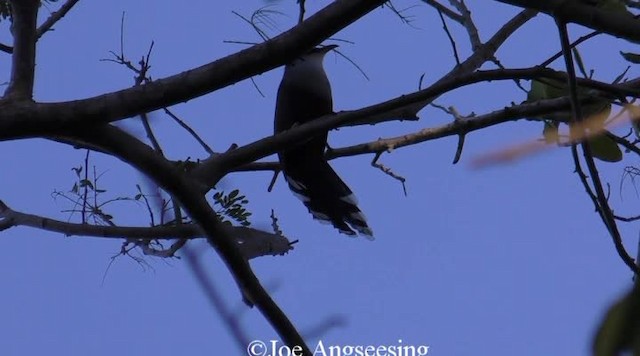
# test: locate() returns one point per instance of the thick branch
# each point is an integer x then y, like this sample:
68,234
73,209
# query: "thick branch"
604,209
529,111
480,55
191,198
252,243
612,22
21,121
55,17
23,28
215,167
457,127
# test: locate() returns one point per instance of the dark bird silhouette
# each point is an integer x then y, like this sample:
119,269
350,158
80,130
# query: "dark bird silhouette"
304,95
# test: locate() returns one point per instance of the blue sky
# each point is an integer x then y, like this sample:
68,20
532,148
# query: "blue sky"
502,260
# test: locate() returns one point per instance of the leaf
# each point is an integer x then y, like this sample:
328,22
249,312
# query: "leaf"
595,114
605,149
631,57
578,59
86,183
546,89
537,91
597,109
234,194
619,331
550,132
78,170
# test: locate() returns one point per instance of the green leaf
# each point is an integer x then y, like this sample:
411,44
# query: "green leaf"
620,329
234,194
631,57
605,149
596,114
598,108
537,91
86,183
546,89
78,170
578,60
550,132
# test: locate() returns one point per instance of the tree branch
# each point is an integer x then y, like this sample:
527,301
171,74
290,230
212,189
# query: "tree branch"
603,207
55,17
611,22
252,242
212,169
191,198
481,54
16,120
23,28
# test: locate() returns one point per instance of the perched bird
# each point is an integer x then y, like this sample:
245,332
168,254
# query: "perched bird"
304,95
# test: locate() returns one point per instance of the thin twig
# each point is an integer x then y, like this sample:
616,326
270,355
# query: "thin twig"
447,11
468,23
273,180
191,131
85,192
389,172
55,17
5,48
301,10
602,204
451,40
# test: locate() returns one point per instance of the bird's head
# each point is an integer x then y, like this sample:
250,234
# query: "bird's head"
313,58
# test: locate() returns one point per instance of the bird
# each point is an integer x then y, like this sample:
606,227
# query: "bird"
304,95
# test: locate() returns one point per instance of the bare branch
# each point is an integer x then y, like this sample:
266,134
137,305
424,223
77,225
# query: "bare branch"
301,11
445,10
480,56
451,40
216,166
189,130
252,242
6,49
386,170
55,17
186,190
603,207
468,23
23,28
15,120
612,22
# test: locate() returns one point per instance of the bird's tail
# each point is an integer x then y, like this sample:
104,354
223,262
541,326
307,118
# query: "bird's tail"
328,198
